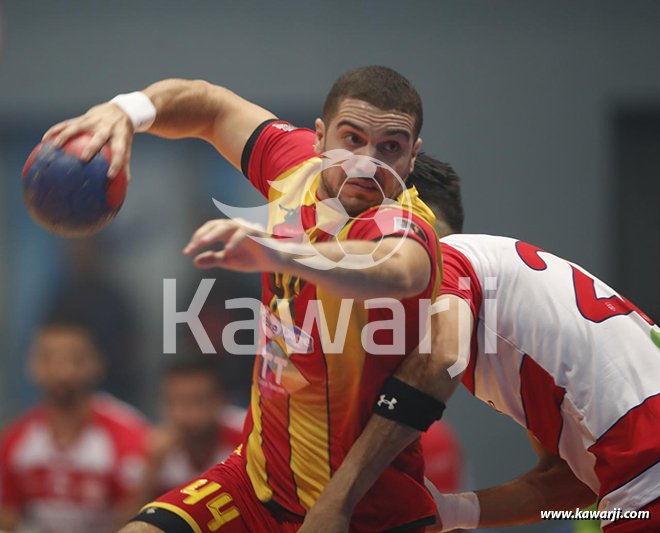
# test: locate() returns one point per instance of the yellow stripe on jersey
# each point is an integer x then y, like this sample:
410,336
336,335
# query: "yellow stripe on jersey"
345,367
288,186
308,438
256,460
286,195
310,427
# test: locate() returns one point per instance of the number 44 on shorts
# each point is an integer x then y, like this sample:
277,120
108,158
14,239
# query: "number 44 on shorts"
202,489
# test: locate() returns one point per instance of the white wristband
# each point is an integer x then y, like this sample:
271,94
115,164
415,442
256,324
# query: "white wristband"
457,511
139,109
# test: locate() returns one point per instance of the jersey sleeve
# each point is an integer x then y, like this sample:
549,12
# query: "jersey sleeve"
460,279
377,224
10,494
131,461
274,148
374,225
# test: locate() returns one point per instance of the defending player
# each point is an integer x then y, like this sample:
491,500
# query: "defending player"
199,429
308,406
552,347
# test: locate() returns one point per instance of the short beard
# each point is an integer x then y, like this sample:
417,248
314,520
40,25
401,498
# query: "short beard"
68,399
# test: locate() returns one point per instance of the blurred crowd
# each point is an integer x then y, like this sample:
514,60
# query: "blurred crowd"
83,460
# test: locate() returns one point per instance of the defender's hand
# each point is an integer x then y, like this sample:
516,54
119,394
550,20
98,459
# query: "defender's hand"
106,122
241,252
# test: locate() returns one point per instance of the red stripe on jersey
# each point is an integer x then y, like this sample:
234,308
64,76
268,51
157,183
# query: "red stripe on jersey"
460,279
277,450
542,400
630,447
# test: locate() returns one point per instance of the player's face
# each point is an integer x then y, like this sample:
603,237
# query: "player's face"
191,403
364,129
65,364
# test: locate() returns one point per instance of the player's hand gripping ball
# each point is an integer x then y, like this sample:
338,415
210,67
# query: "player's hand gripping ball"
67,196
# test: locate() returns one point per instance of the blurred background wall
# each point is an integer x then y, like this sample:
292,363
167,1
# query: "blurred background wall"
532,102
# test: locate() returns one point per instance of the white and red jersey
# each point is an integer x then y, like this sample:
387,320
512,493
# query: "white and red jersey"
565,356
73,490
178,467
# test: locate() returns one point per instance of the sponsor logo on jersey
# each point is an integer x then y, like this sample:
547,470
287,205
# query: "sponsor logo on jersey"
407,225
297,340
284,127
278,375
271,324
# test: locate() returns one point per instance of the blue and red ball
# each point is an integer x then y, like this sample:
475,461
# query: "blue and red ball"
68,196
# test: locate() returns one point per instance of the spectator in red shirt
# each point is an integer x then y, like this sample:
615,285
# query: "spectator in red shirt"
73,463
198,430
443,458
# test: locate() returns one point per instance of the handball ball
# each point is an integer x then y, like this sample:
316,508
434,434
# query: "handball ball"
67,196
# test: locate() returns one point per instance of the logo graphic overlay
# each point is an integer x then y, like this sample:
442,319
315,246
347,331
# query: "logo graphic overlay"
295,212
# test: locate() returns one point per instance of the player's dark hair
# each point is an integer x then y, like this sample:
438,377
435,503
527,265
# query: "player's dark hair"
440,188
381,87
68,322
195,364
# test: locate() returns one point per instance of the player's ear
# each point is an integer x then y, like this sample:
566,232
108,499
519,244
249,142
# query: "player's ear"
415,151
320,136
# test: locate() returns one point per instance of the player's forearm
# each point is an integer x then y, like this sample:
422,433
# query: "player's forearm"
542,489
390,277
380,443
185,108
383,440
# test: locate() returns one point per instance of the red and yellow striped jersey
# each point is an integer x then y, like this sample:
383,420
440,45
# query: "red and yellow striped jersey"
311,400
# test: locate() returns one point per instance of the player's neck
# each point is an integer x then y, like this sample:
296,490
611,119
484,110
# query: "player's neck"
68,420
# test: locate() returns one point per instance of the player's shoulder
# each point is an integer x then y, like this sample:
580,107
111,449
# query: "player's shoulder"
118,417
13,432
391,218
479,241
275,148
484,252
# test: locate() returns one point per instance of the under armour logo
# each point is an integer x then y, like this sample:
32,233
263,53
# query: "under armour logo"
390,403
151,510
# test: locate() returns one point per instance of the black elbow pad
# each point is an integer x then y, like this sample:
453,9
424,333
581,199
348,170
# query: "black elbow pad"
404,403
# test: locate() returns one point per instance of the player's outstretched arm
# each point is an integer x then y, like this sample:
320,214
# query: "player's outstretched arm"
382,439
400,270
550,486
406,272
183,108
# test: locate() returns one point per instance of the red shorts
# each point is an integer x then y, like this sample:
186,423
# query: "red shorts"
638,526
221,500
